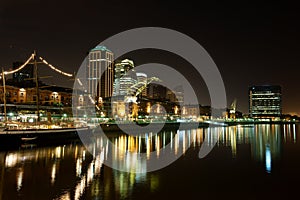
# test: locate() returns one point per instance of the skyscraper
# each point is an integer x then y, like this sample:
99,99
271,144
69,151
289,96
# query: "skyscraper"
124,105
265,101
100,72
125,78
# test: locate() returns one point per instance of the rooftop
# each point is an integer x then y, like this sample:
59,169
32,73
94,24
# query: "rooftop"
100,48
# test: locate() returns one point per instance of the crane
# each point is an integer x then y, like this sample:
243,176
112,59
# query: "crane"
232,109
233,106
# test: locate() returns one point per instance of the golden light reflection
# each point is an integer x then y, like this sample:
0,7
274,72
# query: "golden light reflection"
58,152
53,173
176,143
83,155
11,160
183,142
65,196
80,188
94,169
233,141
148,147
19,178
264,144
157,145
78,167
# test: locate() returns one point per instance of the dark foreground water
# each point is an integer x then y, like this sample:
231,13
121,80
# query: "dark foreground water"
260,162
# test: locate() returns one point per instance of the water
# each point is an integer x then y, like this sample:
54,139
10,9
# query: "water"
247,163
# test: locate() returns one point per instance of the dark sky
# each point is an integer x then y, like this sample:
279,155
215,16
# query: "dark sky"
251,43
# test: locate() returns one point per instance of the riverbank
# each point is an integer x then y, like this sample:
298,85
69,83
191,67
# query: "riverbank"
14,139
132,127
234,123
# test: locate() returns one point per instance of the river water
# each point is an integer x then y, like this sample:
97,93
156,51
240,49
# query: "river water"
256,162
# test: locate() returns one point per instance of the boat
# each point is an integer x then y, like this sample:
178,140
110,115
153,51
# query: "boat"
15,133
28,138
16,137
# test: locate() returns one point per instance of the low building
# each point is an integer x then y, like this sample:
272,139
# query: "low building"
17,95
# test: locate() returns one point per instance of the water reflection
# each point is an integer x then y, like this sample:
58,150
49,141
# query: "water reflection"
134,153
19,178
71,172
265,140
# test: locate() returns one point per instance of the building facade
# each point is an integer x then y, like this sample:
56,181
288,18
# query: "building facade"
265,101
125,78
124,105
100,72
15,95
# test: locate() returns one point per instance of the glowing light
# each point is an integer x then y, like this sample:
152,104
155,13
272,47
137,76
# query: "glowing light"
58,152
19,68
83,155
43,60
268,159
158,108
53,173
54,68
157,145
19,179
148,146
79,81
91,99
79,189
65,196
11,160
78,167
176,110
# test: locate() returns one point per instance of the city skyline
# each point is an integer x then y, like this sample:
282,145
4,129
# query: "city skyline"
100,58
264,100
250,45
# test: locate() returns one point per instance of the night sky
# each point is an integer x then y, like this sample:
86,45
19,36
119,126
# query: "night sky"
251,43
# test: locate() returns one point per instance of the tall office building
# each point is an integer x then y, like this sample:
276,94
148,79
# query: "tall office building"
100,72
124,105
125,78
265,101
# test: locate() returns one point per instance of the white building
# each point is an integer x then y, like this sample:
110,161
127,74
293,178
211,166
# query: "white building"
100,72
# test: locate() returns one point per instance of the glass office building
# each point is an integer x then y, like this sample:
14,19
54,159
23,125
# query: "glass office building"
265,101
125,78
